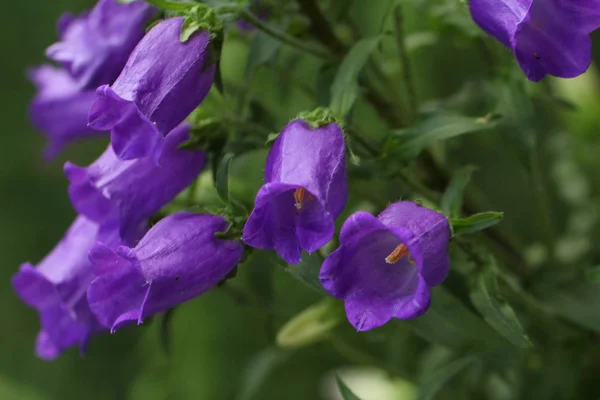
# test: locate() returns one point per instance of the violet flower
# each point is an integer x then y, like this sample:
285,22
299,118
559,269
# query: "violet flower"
163,81
547,36
177,260
57,289
130,192
385,265
306,189
95,46
60,108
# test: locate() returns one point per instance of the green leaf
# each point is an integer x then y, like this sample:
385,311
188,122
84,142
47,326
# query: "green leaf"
222,181
165,4
262,48
476,222
258,369
307,271
435,379
453,196
438,126
312,325
450,323
345,390
593,274
344,90
486,297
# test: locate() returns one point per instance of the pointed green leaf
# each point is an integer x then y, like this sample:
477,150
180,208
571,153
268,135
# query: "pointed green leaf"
345,390
453,196
344,90
475,223
436,378
307,271
222,181
493,307
262,48
438,126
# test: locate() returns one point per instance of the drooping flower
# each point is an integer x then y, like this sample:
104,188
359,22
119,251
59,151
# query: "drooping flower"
177,260
548,37
306,189
131,191
57,289
60,108
385,265
95,46
163,81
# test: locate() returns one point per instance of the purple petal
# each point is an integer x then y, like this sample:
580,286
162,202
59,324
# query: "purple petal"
500,18
60,108
130,192
177,260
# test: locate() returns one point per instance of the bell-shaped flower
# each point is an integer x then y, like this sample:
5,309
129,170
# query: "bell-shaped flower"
60,108
306,189
57,289
548,37
385,265
132,191
177,260
163,81
95,46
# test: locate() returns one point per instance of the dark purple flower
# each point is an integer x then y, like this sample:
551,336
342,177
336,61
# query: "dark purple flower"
132,191
163,81
95,46
547,36
57,289
385,265
306,188
60,108
177,260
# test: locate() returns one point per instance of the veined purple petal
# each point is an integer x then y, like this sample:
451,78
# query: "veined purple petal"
177,260
305,189
60,109
95,46
384,266
163,81
132,191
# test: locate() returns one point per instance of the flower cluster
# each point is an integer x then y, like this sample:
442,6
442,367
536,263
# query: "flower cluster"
110,270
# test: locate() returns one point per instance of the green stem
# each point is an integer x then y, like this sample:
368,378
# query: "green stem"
170,5
406,66
321,29
541,198
284,37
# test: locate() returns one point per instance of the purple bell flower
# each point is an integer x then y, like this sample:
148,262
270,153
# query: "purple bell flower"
95,46
163,81
547,36
60,108
306,189
177,260
130,192
385,265
57,289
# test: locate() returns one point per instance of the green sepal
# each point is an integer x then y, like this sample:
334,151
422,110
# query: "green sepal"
318,117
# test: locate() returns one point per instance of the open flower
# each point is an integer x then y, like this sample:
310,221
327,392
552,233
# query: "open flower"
547,36
95,46
163,81
57,289
306,188
130,192
177,260
60,108
385,265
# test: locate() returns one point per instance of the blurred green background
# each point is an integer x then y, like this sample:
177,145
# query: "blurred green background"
222,341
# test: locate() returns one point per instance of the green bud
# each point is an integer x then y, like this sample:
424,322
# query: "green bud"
312,325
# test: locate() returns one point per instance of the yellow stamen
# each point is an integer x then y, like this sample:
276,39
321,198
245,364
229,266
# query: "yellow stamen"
396,255
300,196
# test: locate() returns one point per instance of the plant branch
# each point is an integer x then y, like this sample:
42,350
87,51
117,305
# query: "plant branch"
320,27
406,66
